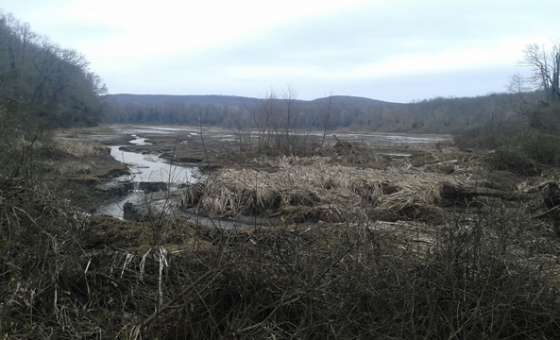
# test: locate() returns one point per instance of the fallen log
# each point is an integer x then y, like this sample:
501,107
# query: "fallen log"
452,194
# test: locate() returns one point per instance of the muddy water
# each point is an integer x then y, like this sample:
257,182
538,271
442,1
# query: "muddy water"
139,141
146,168
151,168
385,138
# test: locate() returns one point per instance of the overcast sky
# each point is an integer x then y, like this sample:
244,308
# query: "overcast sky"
390,50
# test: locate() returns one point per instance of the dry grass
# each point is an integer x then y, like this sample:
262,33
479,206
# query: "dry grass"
65,278
79,149
299,282
316,182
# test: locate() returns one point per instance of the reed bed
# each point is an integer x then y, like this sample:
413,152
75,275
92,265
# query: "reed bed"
315,182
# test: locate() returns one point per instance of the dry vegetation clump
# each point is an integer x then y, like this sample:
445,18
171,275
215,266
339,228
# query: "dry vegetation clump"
319,188
80,149
79,160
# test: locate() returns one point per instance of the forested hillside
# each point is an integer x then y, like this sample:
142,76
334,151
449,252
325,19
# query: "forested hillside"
42,83
434,115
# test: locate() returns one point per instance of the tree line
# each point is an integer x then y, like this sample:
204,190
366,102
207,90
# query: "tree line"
285,112
534,100
42,84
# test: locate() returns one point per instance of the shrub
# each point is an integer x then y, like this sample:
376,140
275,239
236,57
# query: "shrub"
517,149
541,147
488,136
545,117
514,160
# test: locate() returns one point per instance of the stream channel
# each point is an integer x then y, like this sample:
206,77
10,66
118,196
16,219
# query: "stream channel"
147,171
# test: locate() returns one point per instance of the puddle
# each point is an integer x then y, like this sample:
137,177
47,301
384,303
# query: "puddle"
396,154
139,141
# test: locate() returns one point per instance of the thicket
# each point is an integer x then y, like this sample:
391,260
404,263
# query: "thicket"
523,147
42,86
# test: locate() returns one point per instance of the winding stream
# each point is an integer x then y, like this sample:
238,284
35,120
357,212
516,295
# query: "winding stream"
149,168
145,168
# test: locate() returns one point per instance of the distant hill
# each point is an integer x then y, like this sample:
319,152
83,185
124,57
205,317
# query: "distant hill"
150,100
439,115
353,100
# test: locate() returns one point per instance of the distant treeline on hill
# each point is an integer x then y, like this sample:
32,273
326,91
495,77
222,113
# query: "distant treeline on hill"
444,115
42,84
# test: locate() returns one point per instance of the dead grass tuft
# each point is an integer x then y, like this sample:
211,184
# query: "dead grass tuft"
312,183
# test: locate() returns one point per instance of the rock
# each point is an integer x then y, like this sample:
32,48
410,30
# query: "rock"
551,195
132,212
116,188
188,160
126,148
193,194
142,211
116,172
152,186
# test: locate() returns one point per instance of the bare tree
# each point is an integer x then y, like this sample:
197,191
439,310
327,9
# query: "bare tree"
325,119
290,97
263,119
520,101
545,65
201,132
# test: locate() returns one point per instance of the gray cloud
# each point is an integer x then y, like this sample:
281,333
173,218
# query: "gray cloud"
401,51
